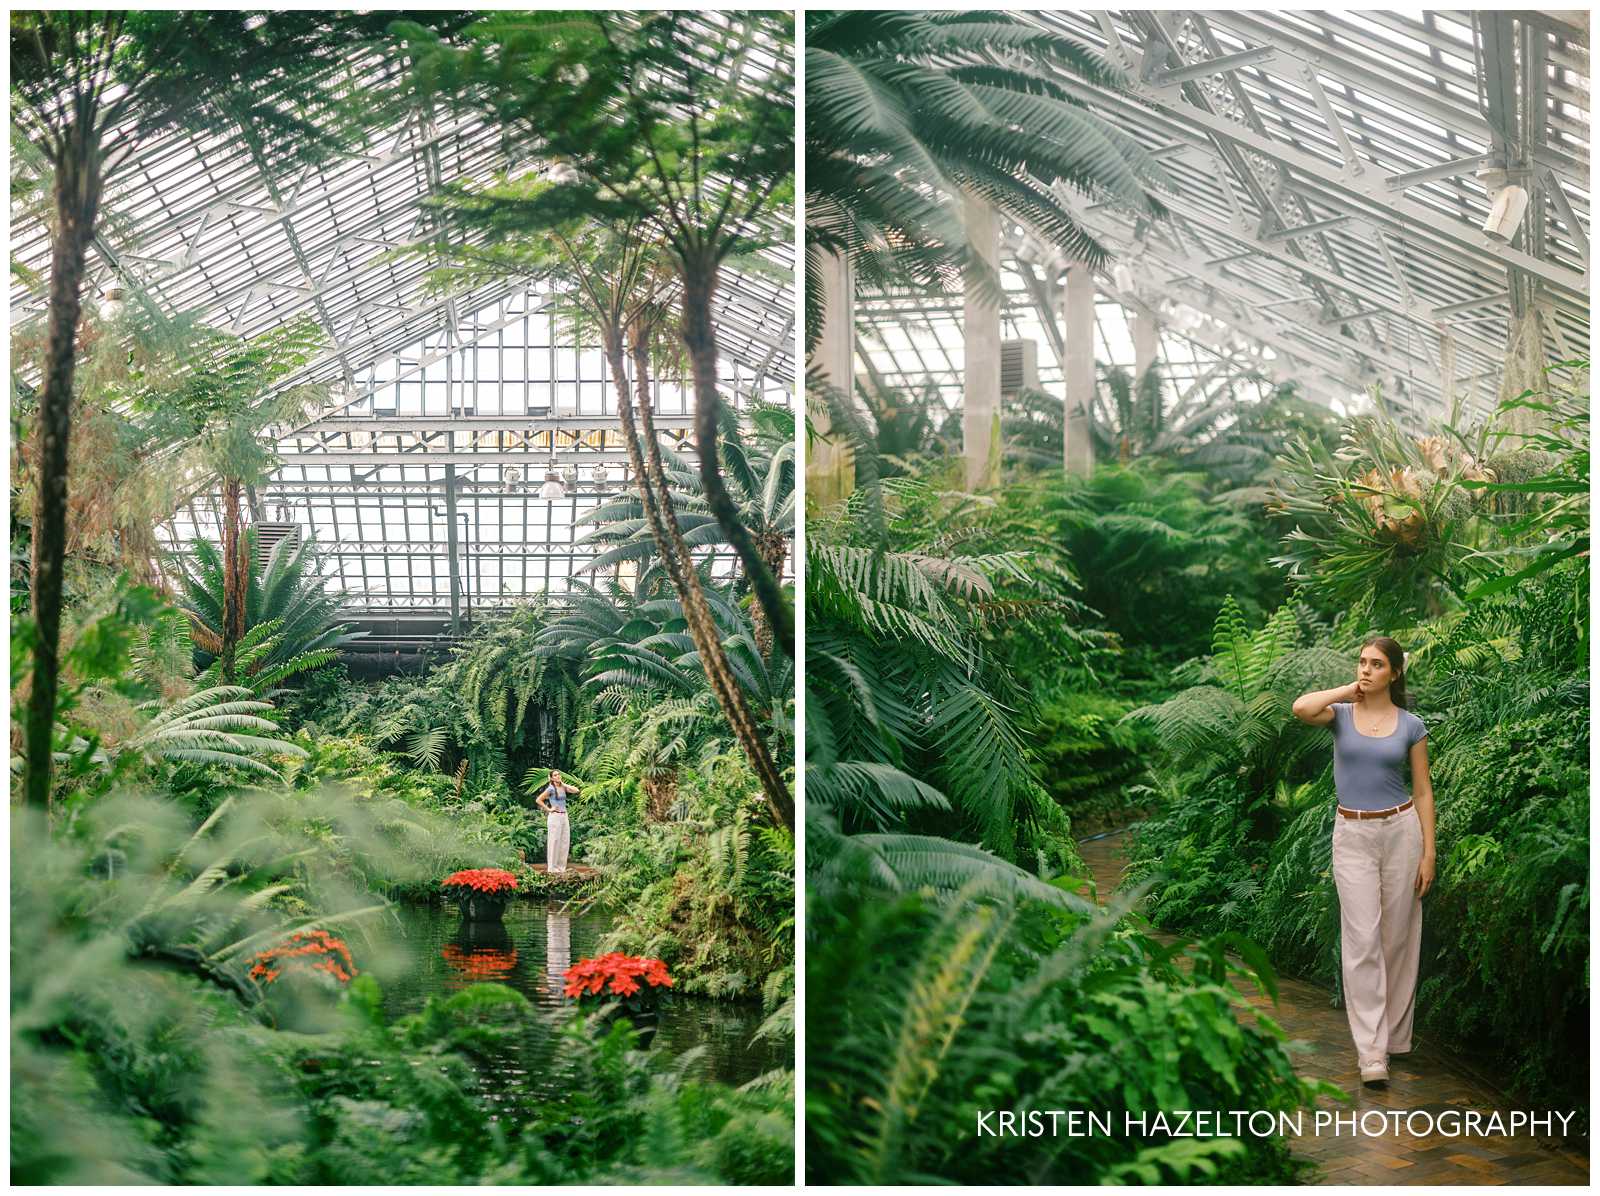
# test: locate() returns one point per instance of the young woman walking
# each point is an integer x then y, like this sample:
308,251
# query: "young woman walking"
1383,848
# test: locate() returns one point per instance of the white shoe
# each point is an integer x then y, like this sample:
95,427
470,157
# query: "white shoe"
1374,1071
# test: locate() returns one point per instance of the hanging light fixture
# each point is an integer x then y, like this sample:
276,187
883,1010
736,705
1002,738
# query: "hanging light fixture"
552,487
600,475
111,304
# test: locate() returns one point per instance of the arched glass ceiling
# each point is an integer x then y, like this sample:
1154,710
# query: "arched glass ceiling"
1329,203
492,405
908,348
476,382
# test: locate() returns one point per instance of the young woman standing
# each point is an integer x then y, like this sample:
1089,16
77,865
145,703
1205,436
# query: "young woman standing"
552,799
1383,847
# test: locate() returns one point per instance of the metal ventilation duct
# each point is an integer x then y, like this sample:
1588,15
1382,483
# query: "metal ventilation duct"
1019,366
270,535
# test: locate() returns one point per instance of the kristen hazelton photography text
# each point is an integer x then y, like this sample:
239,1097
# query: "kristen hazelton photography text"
1197,595
1266,1123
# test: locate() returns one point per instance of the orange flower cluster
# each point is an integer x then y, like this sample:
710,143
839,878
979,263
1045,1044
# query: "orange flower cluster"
484,880
305,951
616,973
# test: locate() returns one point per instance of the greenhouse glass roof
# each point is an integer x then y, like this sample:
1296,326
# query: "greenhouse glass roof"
1331,178
478,385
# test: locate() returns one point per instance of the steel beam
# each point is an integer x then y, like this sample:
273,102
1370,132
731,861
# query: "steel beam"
1404,308
1215,66
526,458
474,424
1428,174
1395,211
1450,309
1246,293
451,548
1558,195
1369,198
1316,226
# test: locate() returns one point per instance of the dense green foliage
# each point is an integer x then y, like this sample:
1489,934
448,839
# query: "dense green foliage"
965,711
140,1053
1142,650
941,1010
1497,671
205,785
137,917
285,597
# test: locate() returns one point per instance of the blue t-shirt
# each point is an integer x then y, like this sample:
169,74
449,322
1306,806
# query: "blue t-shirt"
1369,770
558,797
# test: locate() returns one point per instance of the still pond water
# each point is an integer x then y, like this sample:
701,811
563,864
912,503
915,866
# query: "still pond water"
438,954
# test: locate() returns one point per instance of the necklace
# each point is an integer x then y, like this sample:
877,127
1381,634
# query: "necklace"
1374,728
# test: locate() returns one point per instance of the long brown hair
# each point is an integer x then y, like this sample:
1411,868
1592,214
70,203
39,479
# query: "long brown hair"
1397,661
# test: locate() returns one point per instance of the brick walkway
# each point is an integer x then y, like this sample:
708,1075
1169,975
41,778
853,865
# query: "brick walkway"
1428,1079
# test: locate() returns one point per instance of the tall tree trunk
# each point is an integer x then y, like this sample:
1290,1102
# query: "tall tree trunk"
773,549
680,567
235,571
735,707
699,284
77,199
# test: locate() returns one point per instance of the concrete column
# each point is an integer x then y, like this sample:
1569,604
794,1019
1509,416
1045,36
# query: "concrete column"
980,383
1146,340
1077,323
830,465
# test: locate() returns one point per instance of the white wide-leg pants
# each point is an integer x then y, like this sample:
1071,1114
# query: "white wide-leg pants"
558,839
1375,863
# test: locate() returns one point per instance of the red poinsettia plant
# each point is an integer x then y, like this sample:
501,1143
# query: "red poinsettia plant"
308,953
495,881
635,980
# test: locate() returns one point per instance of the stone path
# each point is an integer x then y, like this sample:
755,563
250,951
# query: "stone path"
573,874
1427,1079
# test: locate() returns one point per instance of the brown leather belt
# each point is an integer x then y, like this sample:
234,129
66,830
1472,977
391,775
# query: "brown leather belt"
1374,813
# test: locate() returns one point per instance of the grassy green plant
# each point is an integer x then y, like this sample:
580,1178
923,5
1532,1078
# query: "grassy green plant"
935,1000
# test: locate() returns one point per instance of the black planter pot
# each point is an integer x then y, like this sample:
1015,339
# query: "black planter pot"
482,907
645,1021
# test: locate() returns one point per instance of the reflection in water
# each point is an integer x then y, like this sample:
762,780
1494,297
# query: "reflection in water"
480,953
440,954
558,949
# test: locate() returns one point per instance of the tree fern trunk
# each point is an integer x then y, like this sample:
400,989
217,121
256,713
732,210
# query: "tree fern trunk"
773,550
699,283
77,201
680,567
